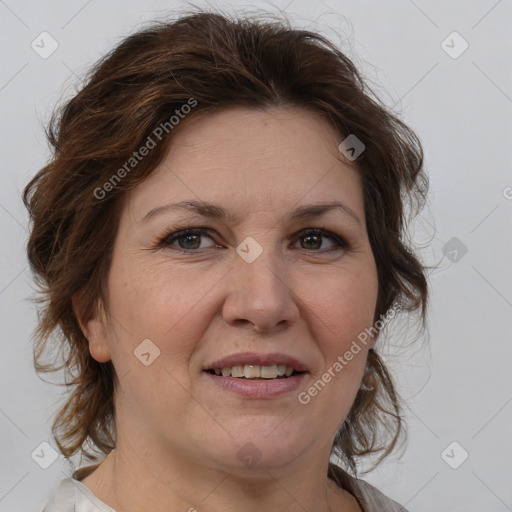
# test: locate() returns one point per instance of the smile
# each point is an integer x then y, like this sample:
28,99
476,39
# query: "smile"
253,371
257,387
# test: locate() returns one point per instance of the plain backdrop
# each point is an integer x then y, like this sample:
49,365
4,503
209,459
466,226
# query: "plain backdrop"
446,68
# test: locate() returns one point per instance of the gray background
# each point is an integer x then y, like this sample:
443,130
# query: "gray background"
457,384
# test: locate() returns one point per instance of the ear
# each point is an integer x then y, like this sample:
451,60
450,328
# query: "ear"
94,329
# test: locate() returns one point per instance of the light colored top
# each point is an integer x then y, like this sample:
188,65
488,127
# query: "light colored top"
73,496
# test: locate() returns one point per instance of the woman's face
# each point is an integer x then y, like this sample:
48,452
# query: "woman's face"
257,283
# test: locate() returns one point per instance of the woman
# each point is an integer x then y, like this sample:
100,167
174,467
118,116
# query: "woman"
219,240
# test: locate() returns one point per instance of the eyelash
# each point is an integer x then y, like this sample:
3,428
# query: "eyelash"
169,239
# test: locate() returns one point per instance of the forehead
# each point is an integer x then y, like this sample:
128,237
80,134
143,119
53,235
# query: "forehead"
252,160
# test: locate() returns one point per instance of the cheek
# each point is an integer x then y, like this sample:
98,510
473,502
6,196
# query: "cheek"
164,304
342,310
344,305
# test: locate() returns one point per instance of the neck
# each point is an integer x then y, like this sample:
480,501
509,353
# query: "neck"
134,478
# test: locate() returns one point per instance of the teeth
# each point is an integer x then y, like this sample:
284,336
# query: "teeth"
253,371
237,371
269,372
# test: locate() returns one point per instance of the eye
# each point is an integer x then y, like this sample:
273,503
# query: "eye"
313,238
189,240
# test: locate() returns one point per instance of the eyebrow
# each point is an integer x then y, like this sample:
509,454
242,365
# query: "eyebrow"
213,211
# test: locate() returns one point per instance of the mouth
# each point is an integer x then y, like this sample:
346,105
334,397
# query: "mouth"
257,376
256,372
254,387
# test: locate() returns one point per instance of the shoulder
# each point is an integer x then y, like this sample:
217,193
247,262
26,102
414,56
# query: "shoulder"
369,497
63,499
73,496
376,501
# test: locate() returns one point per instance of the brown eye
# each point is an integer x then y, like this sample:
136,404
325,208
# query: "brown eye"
313,239
189,240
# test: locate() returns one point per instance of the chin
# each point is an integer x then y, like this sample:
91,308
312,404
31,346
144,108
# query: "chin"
265,445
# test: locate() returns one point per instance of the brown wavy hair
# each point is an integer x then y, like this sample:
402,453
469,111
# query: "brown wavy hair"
217,61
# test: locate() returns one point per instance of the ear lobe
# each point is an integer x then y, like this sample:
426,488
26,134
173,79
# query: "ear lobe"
94,329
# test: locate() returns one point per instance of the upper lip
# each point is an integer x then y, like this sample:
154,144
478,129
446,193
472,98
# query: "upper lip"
254,358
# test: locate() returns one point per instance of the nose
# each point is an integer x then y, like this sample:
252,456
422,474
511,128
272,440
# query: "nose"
260,293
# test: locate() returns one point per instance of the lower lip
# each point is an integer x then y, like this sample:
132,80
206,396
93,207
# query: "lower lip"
258,388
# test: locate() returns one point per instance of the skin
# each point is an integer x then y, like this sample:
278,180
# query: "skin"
178,435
